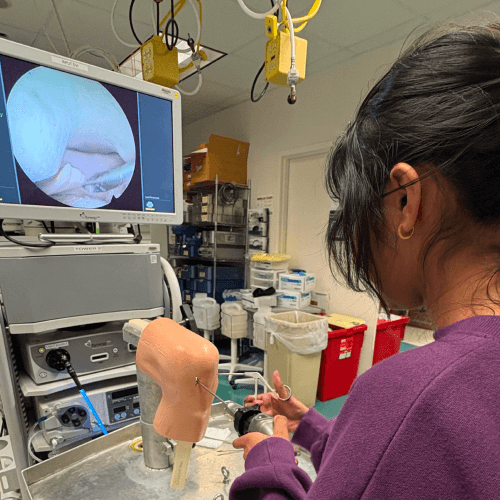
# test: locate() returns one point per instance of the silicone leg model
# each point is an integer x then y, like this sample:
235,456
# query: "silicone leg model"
174,357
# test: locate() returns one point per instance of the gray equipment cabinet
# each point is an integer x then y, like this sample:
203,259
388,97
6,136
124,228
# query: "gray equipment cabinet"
46,289
219,211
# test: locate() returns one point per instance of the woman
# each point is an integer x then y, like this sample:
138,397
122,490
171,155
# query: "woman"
417,179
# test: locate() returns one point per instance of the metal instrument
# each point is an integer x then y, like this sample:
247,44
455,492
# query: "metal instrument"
246,418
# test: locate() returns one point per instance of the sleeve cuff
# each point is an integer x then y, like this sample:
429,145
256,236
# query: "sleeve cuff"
312,427
272,450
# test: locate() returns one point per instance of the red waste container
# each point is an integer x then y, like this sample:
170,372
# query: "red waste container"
388,337
340,359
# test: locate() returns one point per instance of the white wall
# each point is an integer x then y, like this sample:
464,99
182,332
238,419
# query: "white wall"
325,104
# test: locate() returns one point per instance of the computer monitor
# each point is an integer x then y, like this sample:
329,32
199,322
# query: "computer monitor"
81,143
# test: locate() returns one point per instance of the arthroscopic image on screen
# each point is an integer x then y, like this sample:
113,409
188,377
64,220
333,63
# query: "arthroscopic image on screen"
71,137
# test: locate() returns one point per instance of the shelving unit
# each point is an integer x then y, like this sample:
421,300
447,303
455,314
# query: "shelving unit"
214,188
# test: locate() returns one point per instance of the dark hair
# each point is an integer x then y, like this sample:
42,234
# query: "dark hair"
437,110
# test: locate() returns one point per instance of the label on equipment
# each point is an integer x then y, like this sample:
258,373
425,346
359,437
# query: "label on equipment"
154,259
68,63
346,346
56,346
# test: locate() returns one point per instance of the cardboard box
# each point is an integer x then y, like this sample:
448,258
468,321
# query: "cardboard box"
222,156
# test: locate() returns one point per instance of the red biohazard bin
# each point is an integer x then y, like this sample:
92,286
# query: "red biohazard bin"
389,335
340,359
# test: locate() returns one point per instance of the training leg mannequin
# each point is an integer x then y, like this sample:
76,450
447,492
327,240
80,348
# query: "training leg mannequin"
174,357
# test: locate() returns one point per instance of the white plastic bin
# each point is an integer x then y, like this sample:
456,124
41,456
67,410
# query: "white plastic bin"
234,320
268,265
206,312
264,284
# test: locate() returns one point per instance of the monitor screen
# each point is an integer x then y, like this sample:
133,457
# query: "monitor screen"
81,143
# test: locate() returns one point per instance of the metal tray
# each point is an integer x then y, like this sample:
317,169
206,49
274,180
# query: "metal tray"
107,468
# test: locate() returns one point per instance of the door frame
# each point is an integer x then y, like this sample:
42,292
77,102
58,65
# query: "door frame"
286,157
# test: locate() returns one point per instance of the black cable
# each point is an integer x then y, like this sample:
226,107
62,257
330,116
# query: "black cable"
3,427
172,23
260,71
45,226
158,18
17,242
253,86
130,20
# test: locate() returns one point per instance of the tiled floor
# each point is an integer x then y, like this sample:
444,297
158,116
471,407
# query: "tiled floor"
329,409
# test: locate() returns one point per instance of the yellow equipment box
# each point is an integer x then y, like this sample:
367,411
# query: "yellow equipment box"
278,55
159,65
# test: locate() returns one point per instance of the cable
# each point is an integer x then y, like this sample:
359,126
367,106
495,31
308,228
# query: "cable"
174,35
60,26
257,15
30,437
17,242
196,90
253,86
198,21
158,18
114,30
227,194
130,21
110,58
258,74
63,357
30,441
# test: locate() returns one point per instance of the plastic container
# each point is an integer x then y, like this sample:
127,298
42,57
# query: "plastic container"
305,283
264,284
292,299
389,335
266,274
340,360
282,265
206,312
234,320
289,336
259,327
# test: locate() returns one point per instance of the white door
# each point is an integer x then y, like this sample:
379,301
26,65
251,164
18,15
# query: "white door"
306,223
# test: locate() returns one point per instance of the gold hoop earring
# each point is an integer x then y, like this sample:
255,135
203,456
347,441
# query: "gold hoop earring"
405,237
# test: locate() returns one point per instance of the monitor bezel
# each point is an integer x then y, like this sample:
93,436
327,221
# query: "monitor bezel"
38,212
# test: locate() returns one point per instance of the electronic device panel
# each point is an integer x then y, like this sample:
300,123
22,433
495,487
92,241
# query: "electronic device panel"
91,349
114,401
83,143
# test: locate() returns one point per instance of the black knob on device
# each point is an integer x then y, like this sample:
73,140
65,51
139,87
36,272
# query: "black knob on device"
243,417
56,359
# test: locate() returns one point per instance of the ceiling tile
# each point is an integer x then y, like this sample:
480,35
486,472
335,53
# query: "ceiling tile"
254,51
210,92
424,6
458,9
226,27
23,13
347,23
318,48
194,111
233,71
18,35
389,36
325,63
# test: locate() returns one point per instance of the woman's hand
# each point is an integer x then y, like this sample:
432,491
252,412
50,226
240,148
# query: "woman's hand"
248,441
270,404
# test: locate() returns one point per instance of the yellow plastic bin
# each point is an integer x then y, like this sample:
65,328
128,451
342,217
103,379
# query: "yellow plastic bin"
295,341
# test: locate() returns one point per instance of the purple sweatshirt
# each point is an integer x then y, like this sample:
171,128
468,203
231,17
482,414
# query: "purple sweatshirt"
424,424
